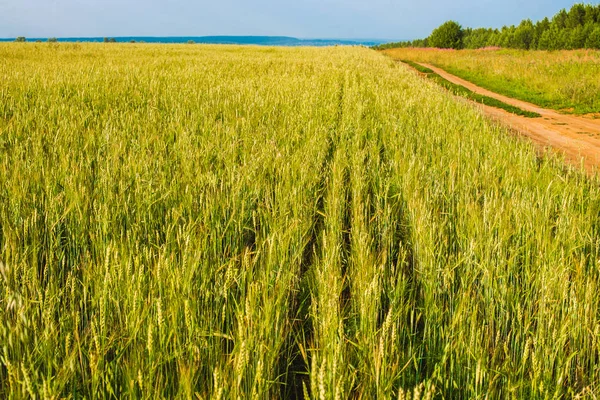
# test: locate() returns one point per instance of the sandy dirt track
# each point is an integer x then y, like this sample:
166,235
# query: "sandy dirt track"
577,137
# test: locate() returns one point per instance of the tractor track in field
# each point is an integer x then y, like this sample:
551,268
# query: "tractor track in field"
577,137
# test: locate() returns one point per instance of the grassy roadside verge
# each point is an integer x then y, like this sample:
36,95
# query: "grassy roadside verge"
516,90
566,81
460,90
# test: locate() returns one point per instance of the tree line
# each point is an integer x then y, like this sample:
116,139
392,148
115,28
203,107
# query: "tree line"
578,28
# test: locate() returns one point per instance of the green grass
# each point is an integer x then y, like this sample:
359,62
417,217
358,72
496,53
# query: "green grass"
562,80
460,90
242,222
518,91
418,67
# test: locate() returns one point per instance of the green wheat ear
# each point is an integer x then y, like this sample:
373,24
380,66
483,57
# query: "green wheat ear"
239,222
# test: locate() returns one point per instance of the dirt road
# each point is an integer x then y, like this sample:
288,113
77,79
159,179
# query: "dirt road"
578,138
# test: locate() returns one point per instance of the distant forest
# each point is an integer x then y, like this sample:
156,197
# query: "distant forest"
578,28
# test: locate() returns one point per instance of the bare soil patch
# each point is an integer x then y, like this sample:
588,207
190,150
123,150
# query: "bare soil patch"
577,137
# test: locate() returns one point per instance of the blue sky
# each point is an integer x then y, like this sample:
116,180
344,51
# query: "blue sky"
384,19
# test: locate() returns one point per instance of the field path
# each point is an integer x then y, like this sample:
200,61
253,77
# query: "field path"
578,138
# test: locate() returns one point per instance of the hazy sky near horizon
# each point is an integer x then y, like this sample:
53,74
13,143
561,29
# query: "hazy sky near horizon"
384,19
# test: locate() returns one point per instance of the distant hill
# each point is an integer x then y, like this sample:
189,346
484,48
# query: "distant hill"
240,40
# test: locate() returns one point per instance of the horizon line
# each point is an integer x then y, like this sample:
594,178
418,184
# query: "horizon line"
202,36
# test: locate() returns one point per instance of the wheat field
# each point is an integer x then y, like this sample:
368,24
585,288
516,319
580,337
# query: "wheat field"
220,222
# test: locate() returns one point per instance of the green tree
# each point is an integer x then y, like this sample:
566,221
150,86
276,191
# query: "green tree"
593,40
112,40
577,38
52,40
540,27
507,37
545,40
590,16
523,35
191,42
494,39
20,39
105,40
476,38
564,39
560,19
575,16
447,36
